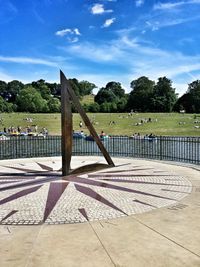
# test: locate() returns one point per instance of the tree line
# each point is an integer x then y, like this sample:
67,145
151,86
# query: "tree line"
145,96
38,96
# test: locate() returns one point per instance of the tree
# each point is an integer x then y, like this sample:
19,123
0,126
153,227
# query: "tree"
2,104
107,107
45,92
42,87
111,98
54,88
3,88
13,89
86,88
30,100
184,102
121,104
116,88
194,93
164,96
93,107
105,95
75,86
5,106
190,101
142,92
54,105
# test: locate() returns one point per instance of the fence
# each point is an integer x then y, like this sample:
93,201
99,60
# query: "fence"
182,149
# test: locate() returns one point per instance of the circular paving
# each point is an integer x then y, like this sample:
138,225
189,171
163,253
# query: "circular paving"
32,191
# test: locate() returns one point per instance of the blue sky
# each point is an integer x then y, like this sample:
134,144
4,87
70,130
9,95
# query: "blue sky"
100,41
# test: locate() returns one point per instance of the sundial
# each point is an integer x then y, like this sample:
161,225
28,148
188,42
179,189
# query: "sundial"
50,191
68,96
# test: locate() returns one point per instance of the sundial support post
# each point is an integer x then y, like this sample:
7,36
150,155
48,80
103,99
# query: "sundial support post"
67,95
66,127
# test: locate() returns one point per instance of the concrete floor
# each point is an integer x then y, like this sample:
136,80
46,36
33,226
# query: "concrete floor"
167,236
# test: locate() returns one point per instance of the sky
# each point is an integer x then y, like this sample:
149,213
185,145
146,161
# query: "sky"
100,41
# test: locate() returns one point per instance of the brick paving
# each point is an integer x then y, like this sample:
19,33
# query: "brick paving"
32,191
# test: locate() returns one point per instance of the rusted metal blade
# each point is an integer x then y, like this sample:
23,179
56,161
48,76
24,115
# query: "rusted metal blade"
86,120
66,126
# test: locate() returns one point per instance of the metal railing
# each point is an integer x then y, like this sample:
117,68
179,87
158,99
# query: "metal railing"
180,149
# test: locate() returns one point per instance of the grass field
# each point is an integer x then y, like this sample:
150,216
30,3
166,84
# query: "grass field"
87,99
169,124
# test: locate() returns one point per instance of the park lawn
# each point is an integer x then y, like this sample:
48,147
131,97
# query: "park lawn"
166,124
87,99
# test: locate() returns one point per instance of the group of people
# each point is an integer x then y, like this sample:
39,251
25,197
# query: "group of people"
138,135
142,121
112,123
27,130
150,136
12,129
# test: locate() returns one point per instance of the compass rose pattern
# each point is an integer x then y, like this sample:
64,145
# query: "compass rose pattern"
34,192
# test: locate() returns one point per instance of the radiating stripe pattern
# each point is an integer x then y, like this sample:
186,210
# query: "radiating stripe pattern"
34,192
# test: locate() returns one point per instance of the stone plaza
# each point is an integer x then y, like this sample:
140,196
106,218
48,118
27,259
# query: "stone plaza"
138,213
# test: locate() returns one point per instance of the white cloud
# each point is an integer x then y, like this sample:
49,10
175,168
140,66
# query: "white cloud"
63,32
93,52
76,31
101,80
68,31
172,5
26,60
108,22
72,39
167,14
169,5
181,88
5,77
99,9
139,3
26,78
166,22
8,11
72,34
92,27
137,58
131,43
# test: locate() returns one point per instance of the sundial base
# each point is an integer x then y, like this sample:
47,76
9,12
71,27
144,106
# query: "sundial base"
33,191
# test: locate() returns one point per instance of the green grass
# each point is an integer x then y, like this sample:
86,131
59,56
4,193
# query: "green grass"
166,124
87,99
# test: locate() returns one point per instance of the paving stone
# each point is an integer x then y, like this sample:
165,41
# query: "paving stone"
111,193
